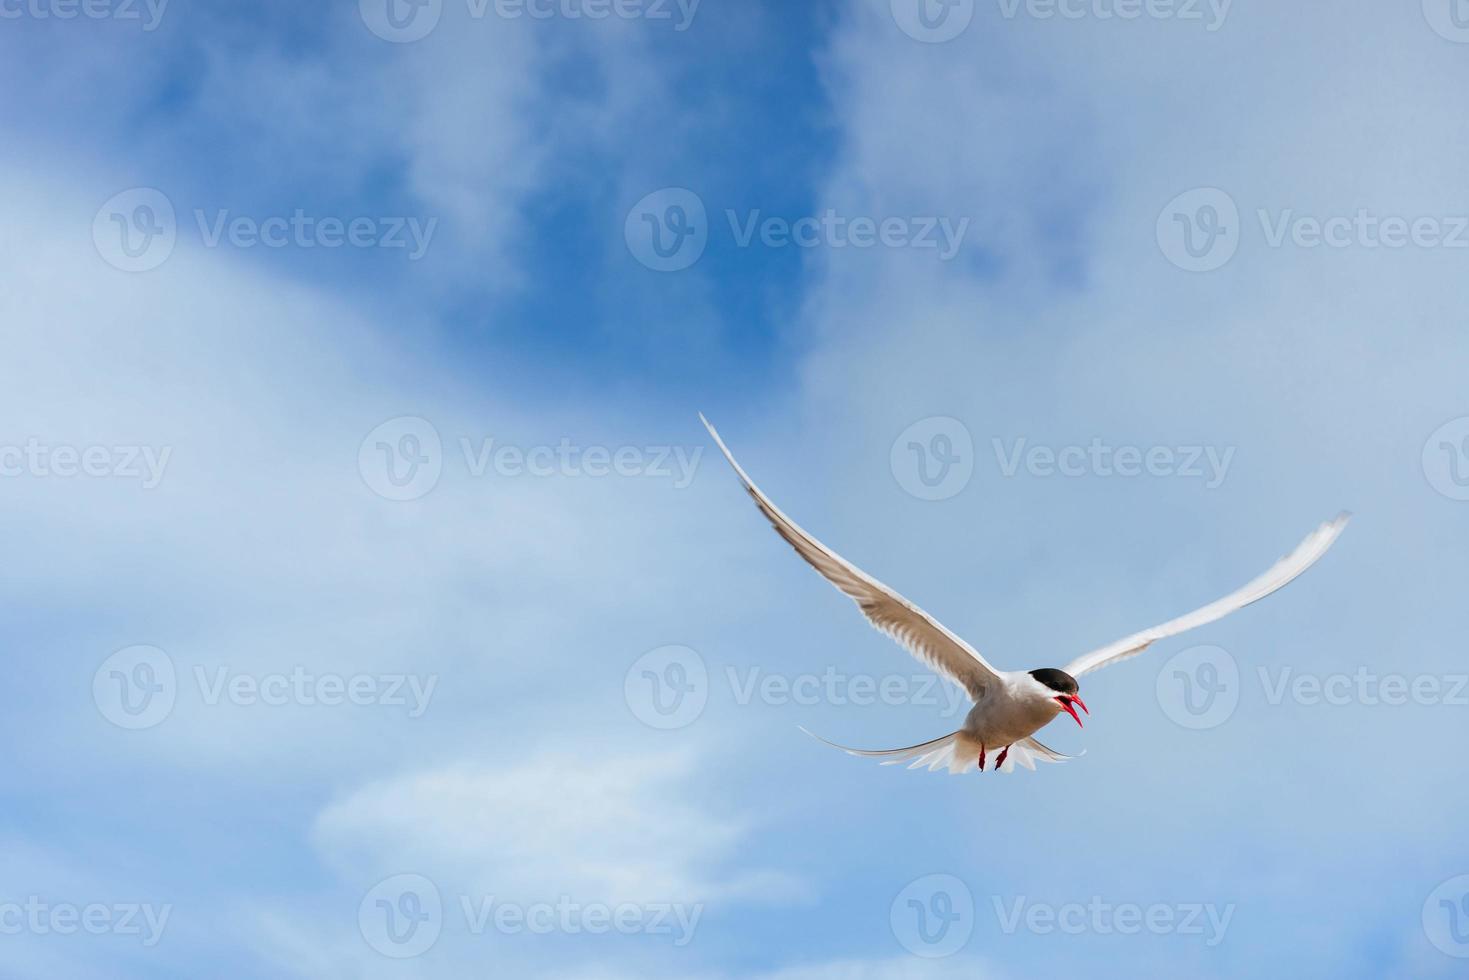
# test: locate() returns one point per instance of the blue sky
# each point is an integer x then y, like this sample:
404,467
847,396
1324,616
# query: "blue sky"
377,608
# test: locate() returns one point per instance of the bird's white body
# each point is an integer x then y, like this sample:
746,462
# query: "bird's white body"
1010,711
1009,706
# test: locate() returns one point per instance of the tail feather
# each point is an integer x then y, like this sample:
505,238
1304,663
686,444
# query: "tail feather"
953,753
1027,751
933,754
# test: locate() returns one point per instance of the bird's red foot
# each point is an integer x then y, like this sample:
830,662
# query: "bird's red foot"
1001,760
981,758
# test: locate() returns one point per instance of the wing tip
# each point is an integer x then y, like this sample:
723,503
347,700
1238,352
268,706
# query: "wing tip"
1332,529
823,741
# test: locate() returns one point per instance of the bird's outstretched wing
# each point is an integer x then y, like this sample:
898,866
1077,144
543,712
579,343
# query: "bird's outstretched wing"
919,632
1307,553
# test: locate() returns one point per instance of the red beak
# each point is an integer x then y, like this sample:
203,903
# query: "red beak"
1064,700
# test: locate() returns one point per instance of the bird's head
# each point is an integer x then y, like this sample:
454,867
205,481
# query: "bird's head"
1060,687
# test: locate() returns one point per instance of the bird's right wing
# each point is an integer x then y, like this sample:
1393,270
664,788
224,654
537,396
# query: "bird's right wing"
920,633
1307,553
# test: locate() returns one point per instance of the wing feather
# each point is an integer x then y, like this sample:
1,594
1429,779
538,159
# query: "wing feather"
1306,554
889,612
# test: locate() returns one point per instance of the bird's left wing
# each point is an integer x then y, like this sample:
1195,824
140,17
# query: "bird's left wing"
1307,553
920,633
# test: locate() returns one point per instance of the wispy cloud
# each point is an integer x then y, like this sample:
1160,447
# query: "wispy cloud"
584,822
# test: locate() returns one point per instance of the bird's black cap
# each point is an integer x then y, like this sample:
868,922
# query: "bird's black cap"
1057,680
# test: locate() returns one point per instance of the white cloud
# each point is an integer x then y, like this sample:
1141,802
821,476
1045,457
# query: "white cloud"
592,826
262,549
898,968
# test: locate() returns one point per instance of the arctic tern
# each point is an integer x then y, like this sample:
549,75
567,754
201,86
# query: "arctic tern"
1009,706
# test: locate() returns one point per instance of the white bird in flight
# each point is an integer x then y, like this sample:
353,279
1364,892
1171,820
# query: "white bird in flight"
1009,706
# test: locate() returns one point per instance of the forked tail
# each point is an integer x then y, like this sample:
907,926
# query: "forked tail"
955,751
